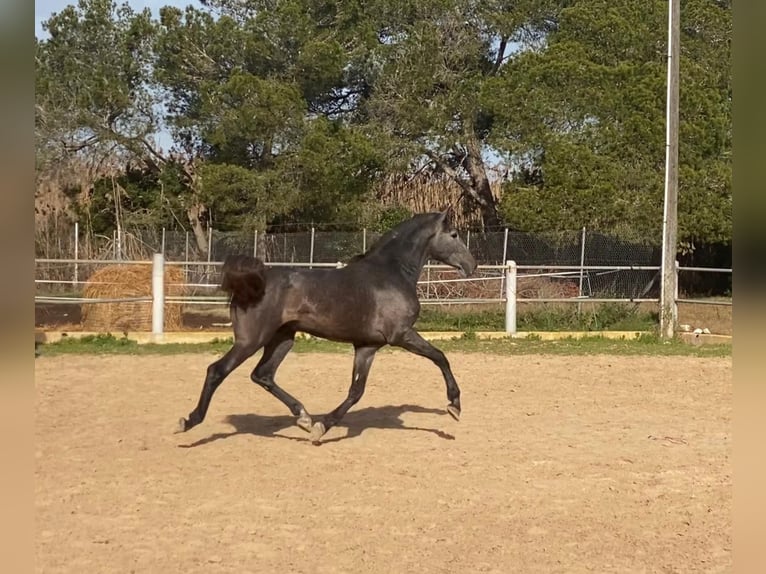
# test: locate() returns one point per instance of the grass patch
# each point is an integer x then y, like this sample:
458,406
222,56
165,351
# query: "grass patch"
434,318
541,317
647,345
107,344
468,343
602,317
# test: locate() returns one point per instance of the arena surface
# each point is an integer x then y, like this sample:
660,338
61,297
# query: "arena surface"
559,464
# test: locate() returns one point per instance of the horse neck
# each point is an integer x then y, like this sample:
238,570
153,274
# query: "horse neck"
408,255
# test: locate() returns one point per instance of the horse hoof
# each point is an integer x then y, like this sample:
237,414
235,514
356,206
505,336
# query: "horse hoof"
304,422
180,426
454,412
317,432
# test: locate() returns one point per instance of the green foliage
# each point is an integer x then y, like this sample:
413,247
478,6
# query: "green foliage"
585,118
240,197
541,317
604,317
389,218
97,344
336,167
91,77
108,344
292,109
249,120
144,199
436,319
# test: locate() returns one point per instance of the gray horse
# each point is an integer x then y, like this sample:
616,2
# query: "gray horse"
369,303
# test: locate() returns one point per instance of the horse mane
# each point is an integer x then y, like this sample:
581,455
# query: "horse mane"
397,234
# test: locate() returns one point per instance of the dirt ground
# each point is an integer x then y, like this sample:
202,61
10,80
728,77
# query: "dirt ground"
559,464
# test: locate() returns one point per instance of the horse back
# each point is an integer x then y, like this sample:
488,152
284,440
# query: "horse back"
355,304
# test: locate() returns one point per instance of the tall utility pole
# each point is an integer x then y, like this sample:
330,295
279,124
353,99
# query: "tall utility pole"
668,314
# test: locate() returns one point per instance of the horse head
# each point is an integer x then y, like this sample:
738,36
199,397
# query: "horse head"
447,247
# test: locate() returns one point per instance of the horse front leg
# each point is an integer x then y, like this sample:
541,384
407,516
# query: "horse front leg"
216,373
413,342
363,356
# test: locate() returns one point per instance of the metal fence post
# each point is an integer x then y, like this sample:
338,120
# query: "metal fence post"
582,265
76,253
364,240
255,244
510,297
311,249
428,279
582,259
209,253
186,257
158,296
163,241
505,255
209,243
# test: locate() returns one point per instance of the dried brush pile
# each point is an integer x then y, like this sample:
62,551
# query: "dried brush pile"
546,288
423,193
123,281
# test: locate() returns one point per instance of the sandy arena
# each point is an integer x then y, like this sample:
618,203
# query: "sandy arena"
559,464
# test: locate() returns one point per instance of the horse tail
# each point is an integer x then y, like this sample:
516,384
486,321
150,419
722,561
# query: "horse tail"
244,278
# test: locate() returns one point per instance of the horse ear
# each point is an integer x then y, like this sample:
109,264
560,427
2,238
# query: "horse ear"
447,215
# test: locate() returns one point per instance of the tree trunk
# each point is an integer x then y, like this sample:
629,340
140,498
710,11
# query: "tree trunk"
474,164
197,214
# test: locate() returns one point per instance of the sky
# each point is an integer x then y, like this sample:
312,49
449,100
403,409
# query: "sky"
44,8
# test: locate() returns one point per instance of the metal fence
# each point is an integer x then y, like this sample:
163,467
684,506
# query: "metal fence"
565,267
582,248
508,284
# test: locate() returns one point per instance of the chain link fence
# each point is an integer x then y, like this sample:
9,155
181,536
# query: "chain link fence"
544,251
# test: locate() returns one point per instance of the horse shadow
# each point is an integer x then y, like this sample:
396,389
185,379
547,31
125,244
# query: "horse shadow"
355,423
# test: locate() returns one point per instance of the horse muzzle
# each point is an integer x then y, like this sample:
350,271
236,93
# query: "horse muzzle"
466,267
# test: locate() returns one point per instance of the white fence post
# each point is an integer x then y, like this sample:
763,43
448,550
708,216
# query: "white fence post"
364,240
510,297
675,299
255,244
158,296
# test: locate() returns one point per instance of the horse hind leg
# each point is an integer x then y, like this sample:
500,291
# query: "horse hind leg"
263,374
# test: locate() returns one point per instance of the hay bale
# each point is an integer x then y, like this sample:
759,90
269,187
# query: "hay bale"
117,281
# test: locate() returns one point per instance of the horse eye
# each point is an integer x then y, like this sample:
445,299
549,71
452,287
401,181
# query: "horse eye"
454,234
